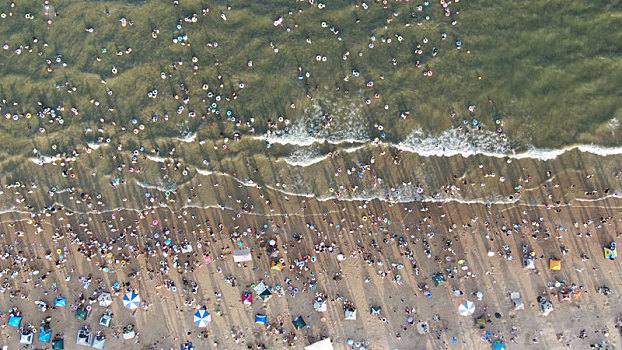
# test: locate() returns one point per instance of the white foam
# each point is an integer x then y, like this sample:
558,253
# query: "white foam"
156,159
346,126
152,187
42,160
453,142
92,145
188,137
204,172
469,142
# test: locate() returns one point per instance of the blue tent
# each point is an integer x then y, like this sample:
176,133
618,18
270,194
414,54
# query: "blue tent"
15,321
187,346
498,345
44,336
60,302
261,319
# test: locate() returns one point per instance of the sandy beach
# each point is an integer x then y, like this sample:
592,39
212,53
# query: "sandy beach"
371,253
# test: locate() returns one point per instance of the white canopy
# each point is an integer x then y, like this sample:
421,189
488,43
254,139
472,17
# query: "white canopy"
320,305
26,338
350,314
129,335
325,344
99,343
529,263
242,255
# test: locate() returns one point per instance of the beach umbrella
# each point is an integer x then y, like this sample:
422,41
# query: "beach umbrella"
467,308
202,318
60,302
131,300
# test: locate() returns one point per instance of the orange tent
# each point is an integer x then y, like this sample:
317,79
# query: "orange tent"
555,264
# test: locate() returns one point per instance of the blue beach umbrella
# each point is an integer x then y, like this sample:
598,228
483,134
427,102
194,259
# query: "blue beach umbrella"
131,300
202,318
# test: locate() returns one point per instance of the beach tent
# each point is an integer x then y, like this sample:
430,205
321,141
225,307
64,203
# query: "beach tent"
104,299
85,337
320,305
261,319
202,318
186,248
517,301
26,337
99,342
555,264
247,298
467,308
611,252
105,320
265,295
129,334
58,344
131,300
46,334
529,262
15,321
545,306
325,344
186,346
81,314
276,265
60,302
262,290
438,279
242,255
299,322
350,314
498,345
375,310
481,321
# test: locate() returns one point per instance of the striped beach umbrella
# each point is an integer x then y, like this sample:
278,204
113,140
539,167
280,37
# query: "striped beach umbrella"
202,318
467,308
131,300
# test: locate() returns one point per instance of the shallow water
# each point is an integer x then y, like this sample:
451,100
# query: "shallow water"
280,95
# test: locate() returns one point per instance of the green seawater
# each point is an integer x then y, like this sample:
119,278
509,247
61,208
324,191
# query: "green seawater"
76,76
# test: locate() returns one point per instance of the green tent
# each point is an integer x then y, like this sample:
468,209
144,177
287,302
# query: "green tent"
81,314
481,321
299,322
438,279
58,344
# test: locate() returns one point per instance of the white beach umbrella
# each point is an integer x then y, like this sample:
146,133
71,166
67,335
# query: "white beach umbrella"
467,308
